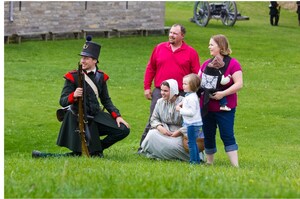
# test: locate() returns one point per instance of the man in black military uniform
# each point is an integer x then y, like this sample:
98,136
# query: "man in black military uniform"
298,11
274,13
100,123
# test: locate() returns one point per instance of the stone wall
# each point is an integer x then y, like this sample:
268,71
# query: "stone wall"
45,16
290,5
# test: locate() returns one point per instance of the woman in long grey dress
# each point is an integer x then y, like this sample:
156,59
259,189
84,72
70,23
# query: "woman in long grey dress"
164,140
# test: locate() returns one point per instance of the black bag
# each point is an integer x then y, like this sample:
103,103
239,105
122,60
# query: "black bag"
60,113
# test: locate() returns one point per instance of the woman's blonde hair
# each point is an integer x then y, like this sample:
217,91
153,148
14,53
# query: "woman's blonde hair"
223,44
194,81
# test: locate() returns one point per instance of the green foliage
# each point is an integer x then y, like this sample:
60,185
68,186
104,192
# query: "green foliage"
267,128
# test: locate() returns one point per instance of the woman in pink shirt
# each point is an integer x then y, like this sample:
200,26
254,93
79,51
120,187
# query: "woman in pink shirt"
214,117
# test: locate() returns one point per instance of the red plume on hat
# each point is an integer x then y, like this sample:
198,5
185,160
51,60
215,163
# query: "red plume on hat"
90,49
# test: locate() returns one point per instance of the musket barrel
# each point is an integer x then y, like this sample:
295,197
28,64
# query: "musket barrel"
81,123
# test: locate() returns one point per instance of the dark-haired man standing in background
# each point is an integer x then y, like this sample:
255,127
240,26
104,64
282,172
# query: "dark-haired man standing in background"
274,13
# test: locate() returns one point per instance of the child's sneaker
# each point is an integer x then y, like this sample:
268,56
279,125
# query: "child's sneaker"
202,157
225,108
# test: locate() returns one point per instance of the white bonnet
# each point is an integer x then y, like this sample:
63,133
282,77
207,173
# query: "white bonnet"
173,87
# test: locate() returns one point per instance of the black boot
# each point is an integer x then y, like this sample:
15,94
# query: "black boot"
39,154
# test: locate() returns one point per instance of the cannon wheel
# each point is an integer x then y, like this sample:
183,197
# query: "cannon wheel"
201,13
229,14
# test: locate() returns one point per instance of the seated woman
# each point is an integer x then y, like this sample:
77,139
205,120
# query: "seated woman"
164,139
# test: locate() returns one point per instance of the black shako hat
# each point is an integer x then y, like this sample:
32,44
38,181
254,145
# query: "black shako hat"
90,49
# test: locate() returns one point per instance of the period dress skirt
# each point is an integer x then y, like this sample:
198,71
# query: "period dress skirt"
157,145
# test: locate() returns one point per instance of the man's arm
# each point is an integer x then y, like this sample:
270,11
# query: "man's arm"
150,71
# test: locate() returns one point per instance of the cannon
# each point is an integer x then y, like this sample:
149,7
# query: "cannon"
226,11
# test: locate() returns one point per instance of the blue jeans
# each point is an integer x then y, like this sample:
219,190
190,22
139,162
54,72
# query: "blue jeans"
193,132
224,120
223,101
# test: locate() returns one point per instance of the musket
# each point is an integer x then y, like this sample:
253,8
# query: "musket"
81,121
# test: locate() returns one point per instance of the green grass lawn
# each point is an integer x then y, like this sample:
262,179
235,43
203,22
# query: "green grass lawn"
267,118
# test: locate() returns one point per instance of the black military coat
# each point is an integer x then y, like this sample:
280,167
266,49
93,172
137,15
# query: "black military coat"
68,135
273,8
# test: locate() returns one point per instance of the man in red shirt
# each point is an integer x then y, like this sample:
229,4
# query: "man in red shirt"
169,60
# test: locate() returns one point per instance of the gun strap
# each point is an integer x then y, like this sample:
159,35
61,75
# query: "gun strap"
92,85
